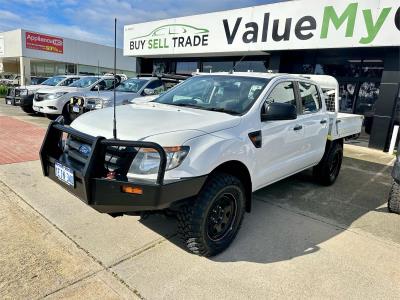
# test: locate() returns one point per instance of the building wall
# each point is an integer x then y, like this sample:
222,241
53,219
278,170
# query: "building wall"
74,52
12,43
79,52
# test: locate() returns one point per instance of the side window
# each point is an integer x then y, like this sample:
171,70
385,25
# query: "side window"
66,82
157,86
310,98
109,84
282,93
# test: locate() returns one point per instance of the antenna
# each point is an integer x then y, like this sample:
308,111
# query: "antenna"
238,63
115,78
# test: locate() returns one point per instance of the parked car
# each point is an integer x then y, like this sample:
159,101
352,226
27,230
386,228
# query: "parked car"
126,92
54,101
23,95
122,76
10,79
35,80
200,150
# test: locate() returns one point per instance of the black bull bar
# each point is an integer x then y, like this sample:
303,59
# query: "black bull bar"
109,195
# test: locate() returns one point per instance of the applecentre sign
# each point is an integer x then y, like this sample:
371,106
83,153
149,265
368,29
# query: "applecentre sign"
305,24
43,42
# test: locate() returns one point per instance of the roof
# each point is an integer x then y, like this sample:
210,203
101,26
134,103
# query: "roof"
245,74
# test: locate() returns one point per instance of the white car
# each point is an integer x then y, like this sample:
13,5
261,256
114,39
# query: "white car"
53,101
201,149
23,95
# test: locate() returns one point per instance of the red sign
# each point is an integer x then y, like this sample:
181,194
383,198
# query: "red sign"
44,42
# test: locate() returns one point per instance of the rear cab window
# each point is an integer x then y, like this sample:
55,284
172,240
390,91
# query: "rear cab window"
310,97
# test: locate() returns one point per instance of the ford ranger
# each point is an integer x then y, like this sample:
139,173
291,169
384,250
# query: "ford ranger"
201,149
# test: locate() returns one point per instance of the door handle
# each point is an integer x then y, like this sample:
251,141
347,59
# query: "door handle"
323,122
298,127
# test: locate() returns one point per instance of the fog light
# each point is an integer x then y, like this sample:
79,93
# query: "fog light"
132,190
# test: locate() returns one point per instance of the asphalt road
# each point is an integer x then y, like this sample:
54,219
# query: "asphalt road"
301,241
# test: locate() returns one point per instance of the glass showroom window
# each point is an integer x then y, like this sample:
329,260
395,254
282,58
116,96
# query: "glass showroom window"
252,66
186,67
217,66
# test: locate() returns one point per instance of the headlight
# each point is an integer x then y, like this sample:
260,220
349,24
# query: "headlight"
55,95
102,103
147,161
23,92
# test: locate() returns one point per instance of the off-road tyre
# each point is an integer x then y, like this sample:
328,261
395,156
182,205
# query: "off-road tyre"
327,171
197,219
394,198
27,109
51,117
66,115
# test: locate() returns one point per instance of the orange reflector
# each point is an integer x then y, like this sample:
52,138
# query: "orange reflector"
132,190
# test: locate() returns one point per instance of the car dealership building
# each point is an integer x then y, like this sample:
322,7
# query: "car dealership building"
35,54
358,42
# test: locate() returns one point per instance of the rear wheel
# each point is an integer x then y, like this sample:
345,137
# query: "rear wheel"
394,198
327,171
210,222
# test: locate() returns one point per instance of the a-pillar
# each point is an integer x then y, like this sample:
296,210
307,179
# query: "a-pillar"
25,70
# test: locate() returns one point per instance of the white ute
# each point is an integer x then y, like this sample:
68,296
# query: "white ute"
201,149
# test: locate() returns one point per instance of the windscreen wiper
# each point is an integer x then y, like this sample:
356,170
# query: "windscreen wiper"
223,110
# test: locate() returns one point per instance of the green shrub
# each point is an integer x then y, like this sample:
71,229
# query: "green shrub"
3,90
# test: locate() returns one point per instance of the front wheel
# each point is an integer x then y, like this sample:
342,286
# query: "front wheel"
327,171
27,109
51,117
394,198
209,223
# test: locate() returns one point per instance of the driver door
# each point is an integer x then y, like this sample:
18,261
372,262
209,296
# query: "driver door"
282,141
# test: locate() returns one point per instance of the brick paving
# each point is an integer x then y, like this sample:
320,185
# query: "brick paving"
19,141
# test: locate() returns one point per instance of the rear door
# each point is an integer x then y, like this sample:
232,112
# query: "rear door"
314,120
282,141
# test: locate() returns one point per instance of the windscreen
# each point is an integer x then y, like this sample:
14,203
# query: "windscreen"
53,81
230,94
131,85
84,82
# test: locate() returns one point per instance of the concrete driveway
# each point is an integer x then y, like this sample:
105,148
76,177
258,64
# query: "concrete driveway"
300,241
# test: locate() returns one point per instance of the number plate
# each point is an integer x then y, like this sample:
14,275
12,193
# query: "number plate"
64,174
75,109
9,102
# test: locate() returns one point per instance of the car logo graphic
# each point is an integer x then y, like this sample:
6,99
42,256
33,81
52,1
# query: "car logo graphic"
174,29
85,150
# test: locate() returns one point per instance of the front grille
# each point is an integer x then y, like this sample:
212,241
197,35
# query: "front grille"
40,96
116,159
119,159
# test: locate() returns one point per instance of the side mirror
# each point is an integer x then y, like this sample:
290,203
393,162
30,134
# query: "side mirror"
279,112
149,92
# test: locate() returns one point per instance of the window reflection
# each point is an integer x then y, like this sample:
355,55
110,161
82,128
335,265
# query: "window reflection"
367,96
217,66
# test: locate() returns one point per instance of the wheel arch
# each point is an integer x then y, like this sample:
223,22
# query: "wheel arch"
238,169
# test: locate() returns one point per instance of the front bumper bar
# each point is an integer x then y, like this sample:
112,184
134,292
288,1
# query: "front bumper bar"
106,195
19,100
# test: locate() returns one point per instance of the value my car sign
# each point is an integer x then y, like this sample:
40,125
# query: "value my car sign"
43,42
302,24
